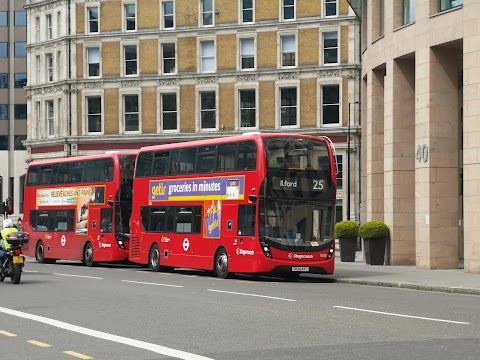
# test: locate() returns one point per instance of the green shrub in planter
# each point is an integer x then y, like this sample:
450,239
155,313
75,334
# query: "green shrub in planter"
347,232
374,234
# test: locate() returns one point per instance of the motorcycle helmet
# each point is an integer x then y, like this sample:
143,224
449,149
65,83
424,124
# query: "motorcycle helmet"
7,223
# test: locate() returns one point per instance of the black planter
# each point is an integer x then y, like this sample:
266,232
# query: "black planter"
375,251
348,247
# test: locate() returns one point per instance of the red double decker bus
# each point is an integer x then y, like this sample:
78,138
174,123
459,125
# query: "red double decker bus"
79,208
254,203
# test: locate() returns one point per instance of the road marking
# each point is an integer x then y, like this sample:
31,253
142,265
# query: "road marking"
30,271
163,350
244,294
38,343
149,283
401,315
80,276
78,355
6,333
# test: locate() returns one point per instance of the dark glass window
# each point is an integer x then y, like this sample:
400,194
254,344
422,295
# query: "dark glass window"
247,11
106,222
161,163
130,54
3,49
20,111
144,164
288,106
168,14
3,81
449,4
20,50
4,142
330,7
52,220
20,18
169,111
206,158
94,114
183,161
18,145
208,110
331,104
246,220
288,9
247,156
131,113
168,54
3,18
247,108
130,15
93,19
227,153
3,112
20,80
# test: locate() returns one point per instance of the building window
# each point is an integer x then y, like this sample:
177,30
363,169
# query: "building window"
168,14
168,104
207,12
130,56
131,113
208,56
94,114
20,111
130,17
39,69
288,10
93,61
339,159
408,11
20,50
37,29
3,49
3,80
449,4
50,118
59,24
168,58
20,80
288,106
49,27
18,142
3,112
331,104
59,111
247,11
20,18
49,62
3,18
93,19
59,65
208,110
247,53
330,7
288,50
247,108
4,142
330,47
381,9
37,117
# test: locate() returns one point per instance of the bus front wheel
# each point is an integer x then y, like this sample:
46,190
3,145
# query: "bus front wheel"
39,252
88,255
221,263
154,258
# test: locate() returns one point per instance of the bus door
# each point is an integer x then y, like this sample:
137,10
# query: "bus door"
244,240
187,243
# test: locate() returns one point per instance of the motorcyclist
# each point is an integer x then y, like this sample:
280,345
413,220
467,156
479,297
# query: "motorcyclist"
7,228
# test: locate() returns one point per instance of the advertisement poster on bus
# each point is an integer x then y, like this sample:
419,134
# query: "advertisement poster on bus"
216,188
79,196
212,216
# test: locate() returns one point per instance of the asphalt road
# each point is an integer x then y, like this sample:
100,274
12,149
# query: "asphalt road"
68,311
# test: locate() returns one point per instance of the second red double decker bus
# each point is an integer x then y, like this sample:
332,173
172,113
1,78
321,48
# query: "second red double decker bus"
254,203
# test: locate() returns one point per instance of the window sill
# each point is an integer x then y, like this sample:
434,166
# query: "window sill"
446,11
404,26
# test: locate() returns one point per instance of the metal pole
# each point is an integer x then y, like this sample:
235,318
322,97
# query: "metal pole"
348,165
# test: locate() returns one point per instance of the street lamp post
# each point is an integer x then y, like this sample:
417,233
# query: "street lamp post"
348,159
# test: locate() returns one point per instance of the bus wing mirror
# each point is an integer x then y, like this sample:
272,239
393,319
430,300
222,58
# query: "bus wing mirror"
252,198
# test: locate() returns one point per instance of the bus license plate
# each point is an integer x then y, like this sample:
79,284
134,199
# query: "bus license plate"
298,268
18,259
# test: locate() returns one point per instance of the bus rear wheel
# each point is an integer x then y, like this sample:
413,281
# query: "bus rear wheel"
39,252
154,258
221,263
88,255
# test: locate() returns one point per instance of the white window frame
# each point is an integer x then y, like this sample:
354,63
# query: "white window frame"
201,12
88,20
329,82
49,67
49,26
124,15
324,8
87,63
123,64
38,64
50,117
240,13
278,86
165,91
200,56
281,4
280,49
86,96
37,29
122,95
160,53
198,121
162,15
240,38
242,87
322,46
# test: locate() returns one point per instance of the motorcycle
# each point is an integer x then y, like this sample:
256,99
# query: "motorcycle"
14,260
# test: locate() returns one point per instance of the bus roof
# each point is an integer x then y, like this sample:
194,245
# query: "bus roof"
224,140
82,158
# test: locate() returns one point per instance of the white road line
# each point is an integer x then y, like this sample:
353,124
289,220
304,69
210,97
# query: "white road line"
401,315
149,283
80,276
244,294
30,271
106,336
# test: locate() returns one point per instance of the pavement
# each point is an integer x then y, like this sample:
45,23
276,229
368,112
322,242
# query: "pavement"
406,277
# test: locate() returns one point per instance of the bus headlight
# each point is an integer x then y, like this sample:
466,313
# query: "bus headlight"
265,248
120,244
331,251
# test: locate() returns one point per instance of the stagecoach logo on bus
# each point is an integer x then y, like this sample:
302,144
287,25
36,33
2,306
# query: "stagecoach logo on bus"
217,188
300,256
244,252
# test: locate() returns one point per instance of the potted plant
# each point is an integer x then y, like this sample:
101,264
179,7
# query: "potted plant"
347,233
374,234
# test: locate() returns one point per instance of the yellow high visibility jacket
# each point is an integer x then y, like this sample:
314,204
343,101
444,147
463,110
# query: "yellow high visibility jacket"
4,233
